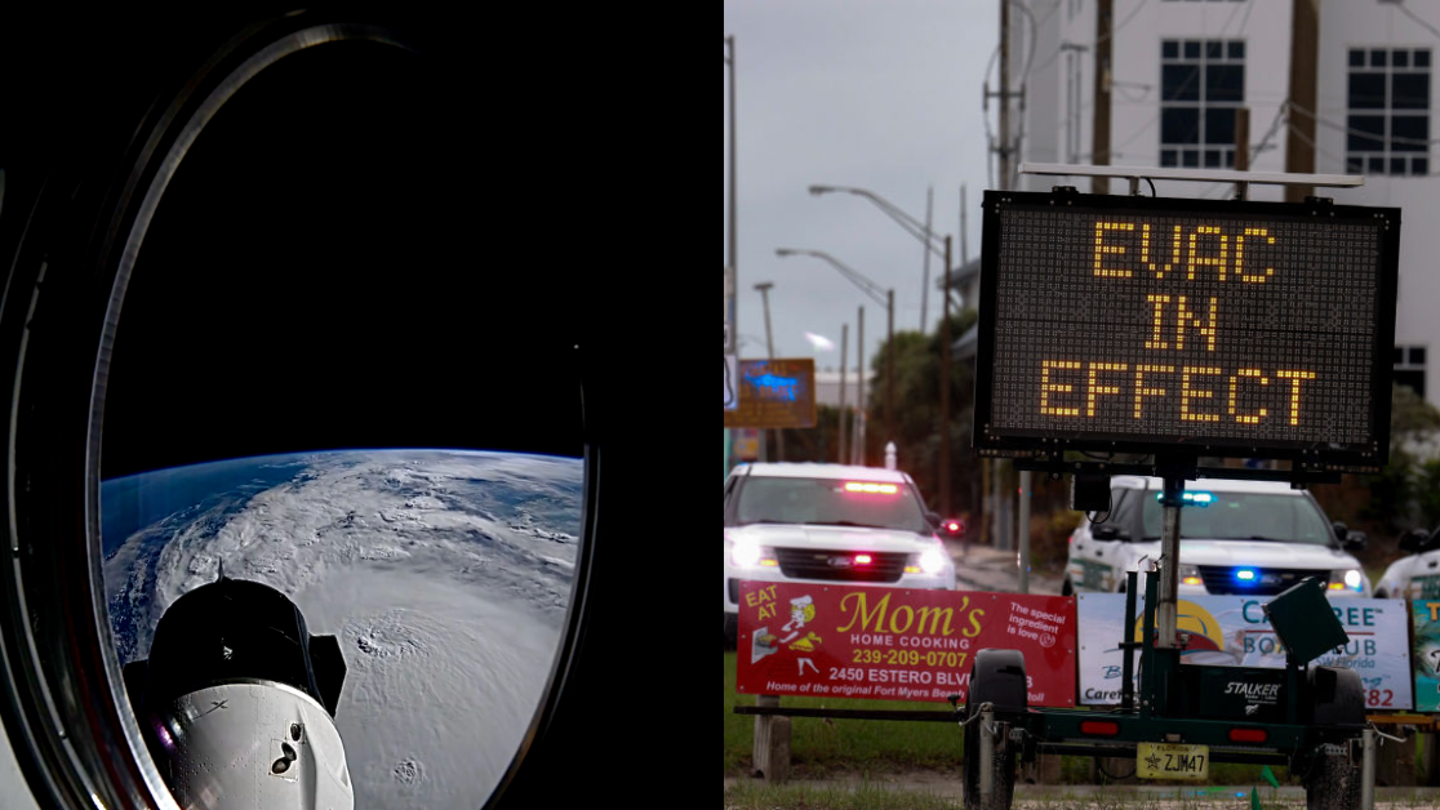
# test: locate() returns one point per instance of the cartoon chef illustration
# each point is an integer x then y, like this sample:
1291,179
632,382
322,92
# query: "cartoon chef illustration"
802,610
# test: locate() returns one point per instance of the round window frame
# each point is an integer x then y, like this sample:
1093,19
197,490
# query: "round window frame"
64,705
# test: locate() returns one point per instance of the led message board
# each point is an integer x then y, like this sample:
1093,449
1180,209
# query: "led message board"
1224,328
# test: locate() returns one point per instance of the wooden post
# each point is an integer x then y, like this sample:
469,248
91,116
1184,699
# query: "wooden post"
1395,762
1428,757
1299,154
771,749
1242,149
1100,123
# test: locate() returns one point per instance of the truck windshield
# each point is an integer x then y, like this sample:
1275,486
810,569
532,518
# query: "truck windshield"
834,502
1245,516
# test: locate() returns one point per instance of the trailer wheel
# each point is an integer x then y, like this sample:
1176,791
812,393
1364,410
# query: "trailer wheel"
1334,780
996,677
1337,698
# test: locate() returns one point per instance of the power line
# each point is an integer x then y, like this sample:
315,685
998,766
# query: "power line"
1379,136
1189,79
1111,35
1306,138
1340,161
1408,13
1274,128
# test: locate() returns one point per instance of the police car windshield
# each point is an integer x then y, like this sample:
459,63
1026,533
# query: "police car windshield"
829,501
1245,516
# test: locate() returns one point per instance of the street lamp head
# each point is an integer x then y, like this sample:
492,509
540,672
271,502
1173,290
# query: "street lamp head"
785,252
764,285
818,190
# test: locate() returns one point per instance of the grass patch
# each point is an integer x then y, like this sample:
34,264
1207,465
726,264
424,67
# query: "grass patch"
821,745
756,796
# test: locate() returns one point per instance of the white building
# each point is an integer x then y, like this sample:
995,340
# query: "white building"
1181,69
827,387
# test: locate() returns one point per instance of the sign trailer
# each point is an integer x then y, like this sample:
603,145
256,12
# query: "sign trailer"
1181,329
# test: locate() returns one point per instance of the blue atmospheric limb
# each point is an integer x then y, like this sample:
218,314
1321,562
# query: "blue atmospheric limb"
776,387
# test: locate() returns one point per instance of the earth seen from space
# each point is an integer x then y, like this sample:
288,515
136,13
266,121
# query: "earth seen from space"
444,574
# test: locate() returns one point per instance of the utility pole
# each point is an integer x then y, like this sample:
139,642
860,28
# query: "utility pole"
1300,134
1004,96
945,391
964,238
1001,501
1022,528
983,507
1100,136
844,372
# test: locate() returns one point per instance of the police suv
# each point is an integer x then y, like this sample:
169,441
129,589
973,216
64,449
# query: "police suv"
827,523
1236,537
1417,575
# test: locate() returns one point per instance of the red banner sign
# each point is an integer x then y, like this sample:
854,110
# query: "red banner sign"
858,641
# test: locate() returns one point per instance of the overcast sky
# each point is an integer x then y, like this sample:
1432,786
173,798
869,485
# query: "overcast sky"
884,96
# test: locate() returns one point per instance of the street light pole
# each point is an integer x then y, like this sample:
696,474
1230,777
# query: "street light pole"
913,226
873,290
764,288
734,250
925,278
860,420
733,257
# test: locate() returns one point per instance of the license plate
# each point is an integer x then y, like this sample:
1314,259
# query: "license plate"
1172,761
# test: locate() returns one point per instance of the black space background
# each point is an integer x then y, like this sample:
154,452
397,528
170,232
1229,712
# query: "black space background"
324,274
330,268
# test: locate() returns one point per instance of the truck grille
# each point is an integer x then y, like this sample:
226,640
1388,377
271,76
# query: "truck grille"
818,564
1220,579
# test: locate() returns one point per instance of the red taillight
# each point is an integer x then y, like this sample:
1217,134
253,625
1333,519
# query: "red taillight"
863,559
1102,728
1248,735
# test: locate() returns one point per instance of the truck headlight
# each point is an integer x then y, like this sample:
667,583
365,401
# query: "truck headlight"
750,554
1351,578
933,561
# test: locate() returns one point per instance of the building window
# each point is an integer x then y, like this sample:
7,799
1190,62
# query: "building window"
1389,112
1410,368
1203,84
